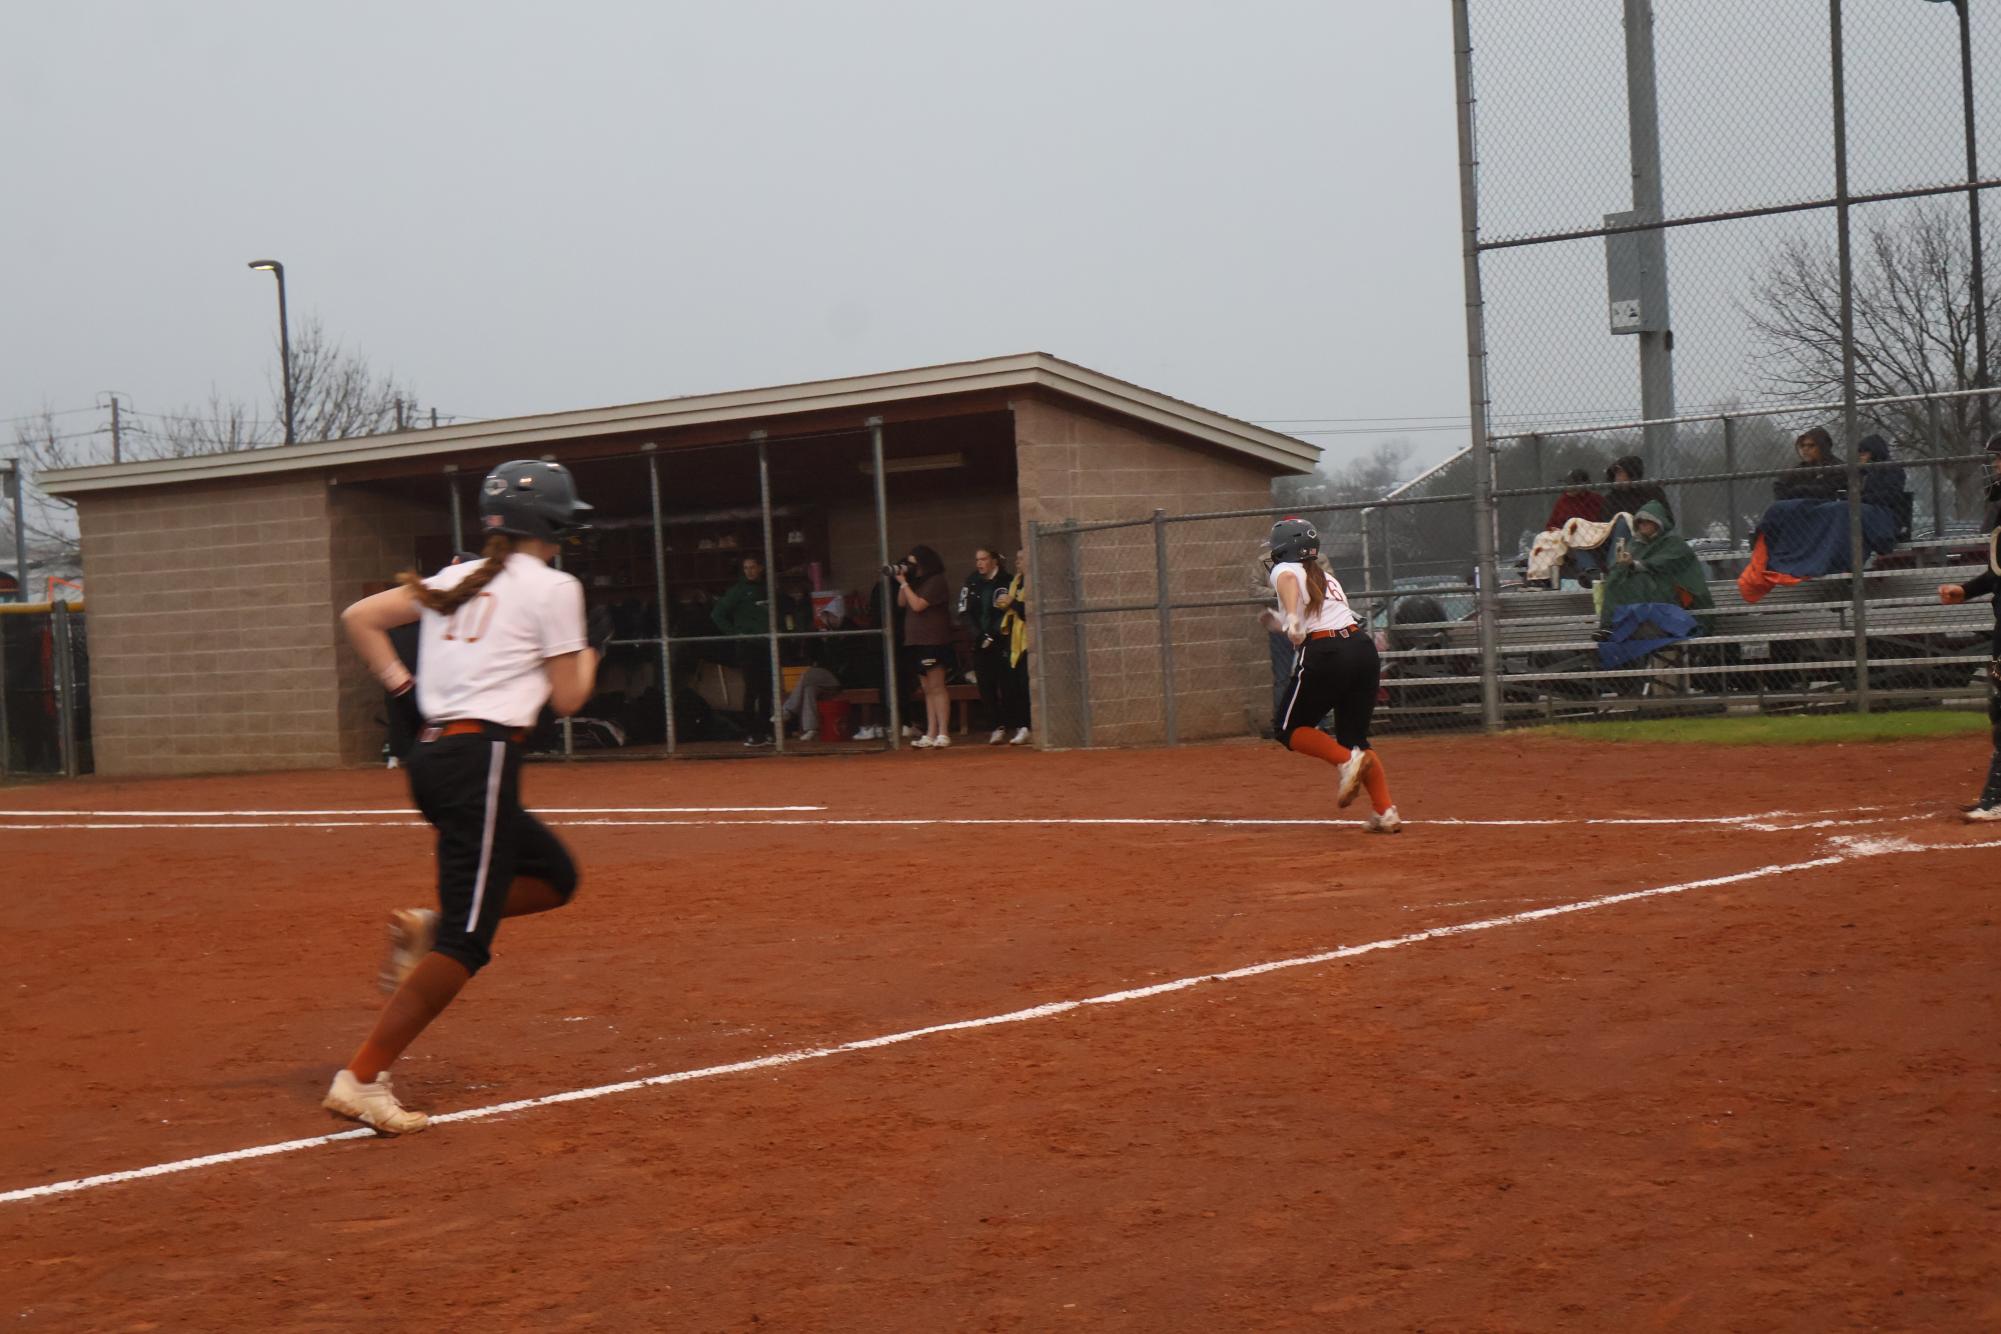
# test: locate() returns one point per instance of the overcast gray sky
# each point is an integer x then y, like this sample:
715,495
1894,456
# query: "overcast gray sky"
520,208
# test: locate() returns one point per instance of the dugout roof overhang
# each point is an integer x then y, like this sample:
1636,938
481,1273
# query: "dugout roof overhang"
701,418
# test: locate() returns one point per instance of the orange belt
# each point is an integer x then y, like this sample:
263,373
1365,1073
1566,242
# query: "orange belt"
1342,633
474,727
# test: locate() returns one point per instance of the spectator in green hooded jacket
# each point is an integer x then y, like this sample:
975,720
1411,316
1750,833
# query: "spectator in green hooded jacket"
746,610
1656,566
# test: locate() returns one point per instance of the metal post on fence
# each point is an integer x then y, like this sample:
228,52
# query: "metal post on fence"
892,706
1476,370
770,595
65,687
1077,631
1730,514
660,601
1935,425
1535,458
1161,599
1857,554
1039,699
458,514
6,741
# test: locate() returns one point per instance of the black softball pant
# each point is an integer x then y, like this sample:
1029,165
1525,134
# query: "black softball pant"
1003,689
468,787
1339,675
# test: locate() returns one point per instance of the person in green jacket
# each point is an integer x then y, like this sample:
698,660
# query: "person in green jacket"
746,611
1657,566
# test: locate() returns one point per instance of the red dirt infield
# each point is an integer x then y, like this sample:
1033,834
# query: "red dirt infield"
1768,1103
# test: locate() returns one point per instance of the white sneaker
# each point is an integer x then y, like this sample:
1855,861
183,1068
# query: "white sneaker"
1389,822
1986,812
868,734
909,731
372,1105
940,742
1020,738
412,932
997,737
922,743
1351,775
807,736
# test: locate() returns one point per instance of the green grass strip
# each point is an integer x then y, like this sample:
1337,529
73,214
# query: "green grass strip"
1787,730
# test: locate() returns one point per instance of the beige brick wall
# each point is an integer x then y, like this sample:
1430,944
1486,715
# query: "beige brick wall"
1077,465
952,525
373,538
210,627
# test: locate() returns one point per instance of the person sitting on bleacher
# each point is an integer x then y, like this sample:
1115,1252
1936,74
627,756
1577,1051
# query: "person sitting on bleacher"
1883,482
1630,491
1805,531
1654,594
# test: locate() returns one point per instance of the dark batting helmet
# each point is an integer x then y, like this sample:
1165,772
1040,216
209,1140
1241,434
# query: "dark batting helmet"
531,498
1293,540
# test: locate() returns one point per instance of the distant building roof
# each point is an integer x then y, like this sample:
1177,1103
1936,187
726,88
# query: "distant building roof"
533,434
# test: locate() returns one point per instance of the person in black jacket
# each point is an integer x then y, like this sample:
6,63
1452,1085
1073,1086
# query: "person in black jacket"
1820,473
1988,584
988,580
1630,490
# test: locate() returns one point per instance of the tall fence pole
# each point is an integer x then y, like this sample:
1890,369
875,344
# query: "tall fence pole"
892,704
770,594
1077,631
1857,554
1730,514
1978,273
65,687
660,601
1162,601
1039,701
1476,371
1935,426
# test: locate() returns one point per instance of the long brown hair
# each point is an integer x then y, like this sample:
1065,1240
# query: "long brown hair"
1316,585
499,546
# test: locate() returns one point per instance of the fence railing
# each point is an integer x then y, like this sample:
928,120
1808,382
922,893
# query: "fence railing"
1147,627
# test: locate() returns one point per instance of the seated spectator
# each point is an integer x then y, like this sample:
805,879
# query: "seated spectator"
802,704
1883,482
1819,475
1578,501
1656,567
1630,491
1804,533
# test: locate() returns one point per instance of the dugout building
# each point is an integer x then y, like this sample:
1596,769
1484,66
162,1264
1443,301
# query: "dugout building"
215,583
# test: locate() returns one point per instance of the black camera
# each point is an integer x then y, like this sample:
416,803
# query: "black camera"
894,568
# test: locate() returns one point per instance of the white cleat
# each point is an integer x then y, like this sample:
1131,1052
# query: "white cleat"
373,1105
412,932
1351,775
997,737
1389,822
940,742
1020,738
1986,812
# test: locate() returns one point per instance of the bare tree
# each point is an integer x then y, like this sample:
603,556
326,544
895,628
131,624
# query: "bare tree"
1913,322
48,522
336,394
1368,477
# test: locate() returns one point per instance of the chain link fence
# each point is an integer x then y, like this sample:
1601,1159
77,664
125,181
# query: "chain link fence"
44,690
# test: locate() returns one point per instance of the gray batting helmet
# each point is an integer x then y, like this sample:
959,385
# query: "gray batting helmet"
531,498
1293,540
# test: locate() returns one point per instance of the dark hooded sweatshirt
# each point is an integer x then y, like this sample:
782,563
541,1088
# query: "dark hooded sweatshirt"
1630,497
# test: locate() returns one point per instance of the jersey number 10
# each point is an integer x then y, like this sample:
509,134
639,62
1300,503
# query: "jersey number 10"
469,620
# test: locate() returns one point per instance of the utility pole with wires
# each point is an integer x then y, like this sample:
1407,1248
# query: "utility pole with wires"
117,434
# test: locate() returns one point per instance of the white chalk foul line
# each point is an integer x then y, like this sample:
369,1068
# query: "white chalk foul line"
1853,850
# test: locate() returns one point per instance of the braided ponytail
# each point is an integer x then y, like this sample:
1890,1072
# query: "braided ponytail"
499,546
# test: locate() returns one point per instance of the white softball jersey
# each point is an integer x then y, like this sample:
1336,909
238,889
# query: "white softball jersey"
485,659
1334,613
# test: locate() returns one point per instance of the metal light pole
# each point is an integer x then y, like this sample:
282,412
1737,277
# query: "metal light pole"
1656,333
272,266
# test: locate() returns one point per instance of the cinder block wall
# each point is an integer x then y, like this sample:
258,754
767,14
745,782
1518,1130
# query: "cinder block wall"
373,538
211,630
1078,465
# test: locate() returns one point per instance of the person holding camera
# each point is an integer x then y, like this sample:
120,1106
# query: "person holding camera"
924,594
983,601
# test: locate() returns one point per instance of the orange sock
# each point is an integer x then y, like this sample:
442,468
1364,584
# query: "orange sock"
1378,784
1312,741
422,997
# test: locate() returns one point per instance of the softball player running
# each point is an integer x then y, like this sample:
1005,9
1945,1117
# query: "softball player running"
498,639
1334,667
